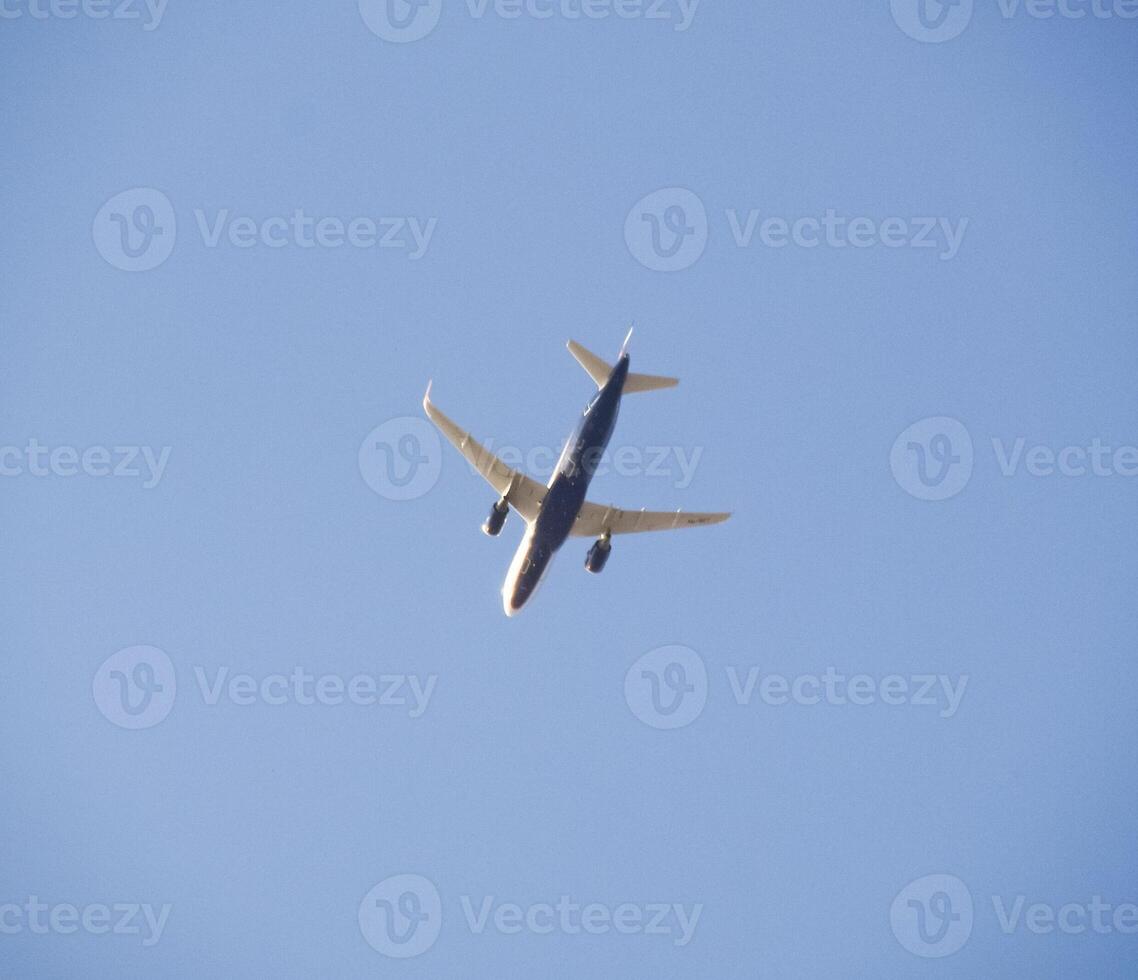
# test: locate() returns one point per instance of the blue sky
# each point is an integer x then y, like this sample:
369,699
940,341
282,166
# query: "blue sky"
261,693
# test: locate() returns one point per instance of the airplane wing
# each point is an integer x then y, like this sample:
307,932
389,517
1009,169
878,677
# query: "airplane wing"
596,519
523,493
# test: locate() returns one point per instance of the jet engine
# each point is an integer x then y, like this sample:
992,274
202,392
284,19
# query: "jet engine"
497,518
598,554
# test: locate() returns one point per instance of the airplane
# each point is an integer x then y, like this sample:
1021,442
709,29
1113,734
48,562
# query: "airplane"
555,512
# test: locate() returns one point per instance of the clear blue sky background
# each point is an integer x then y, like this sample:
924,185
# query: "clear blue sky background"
528,776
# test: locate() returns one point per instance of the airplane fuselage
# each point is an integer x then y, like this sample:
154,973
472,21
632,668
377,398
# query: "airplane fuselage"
566,491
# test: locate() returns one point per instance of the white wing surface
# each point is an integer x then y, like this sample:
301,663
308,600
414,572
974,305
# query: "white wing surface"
522,493
597,519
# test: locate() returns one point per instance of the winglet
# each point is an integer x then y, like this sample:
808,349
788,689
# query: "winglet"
427,397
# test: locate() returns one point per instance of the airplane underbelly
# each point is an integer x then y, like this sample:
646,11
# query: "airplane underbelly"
560,508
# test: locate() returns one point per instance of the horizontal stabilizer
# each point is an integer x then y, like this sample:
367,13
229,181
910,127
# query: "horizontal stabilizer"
647,382
599,370
597,367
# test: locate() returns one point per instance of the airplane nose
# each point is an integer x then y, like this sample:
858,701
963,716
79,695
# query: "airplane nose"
513,600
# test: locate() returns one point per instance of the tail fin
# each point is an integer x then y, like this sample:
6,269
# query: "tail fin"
627,341
599,370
